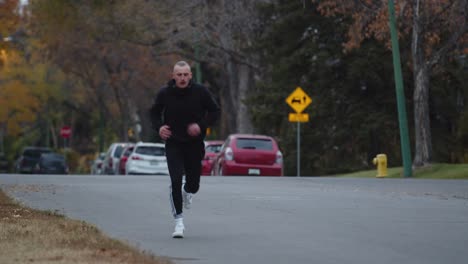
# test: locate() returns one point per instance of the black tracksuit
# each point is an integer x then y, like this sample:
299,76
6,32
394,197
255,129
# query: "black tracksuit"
177,108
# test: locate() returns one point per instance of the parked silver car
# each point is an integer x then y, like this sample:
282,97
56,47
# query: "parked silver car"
97,166
147,158
112,159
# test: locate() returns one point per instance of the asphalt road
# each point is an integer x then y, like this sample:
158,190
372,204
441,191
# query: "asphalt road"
269,220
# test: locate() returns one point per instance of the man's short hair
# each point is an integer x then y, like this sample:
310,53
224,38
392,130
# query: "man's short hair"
182,64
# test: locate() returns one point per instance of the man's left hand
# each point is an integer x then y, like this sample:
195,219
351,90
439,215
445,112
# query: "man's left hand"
193,129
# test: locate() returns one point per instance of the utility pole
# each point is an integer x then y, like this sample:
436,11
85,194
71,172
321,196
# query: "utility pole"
403,123
101,131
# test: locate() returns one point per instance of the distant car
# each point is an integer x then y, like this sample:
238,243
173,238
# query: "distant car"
212,148
4,164
124,157
29,158
147,158
253,155
112,159
96,167
51,163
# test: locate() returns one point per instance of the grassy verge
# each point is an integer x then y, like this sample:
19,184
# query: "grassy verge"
32,236
436,171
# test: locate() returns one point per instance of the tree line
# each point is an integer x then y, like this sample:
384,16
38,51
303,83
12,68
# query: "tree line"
96,65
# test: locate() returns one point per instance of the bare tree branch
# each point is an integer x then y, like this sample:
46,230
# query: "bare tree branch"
451,42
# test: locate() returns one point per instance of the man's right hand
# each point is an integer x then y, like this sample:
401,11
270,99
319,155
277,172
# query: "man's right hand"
165,132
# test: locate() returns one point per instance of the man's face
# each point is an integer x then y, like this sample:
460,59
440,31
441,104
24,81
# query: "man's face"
182,76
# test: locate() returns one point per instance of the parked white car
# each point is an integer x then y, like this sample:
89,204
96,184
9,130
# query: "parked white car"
147,158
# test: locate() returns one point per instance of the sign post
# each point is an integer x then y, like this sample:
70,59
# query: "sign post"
298,100
65,133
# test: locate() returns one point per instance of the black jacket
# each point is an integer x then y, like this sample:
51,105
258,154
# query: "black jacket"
177,108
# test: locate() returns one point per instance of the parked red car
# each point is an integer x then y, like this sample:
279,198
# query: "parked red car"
253,155
124,157
212,148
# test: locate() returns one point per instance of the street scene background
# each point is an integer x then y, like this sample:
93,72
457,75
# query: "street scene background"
95,66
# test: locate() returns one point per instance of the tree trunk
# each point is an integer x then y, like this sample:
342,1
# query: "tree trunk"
422,123
53,132
2,146
135,121
229,97
235,116
244,124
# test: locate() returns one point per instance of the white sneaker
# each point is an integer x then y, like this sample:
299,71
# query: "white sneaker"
187,198
179,228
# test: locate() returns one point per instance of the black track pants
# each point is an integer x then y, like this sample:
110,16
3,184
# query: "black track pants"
183,158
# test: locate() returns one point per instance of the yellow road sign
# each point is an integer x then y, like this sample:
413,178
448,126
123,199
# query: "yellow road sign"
298,117
298,100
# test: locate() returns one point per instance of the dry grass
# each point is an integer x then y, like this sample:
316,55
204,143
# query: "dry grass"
32,236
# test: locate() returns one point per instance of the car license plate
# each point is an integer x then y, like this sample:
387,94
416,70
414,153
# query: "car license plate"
154,162
254,172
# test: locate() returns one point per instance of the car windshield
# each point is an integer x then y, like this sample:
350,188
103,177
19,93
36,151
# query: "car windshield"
35,153
52,158
128,152
150,150
254,143
118,151
213,148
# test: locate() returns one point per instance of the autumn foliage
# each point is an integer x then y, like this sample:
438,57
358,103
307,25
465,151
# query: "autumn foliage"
370,20
435,29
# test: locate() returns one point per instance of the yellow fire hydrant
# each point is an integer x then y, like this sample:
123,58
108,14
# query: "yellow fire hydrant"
381,161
